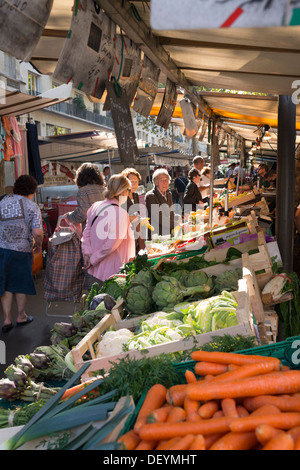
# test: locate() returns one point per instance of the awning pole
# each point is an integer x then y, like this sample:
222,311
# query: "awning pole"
213,160
286,180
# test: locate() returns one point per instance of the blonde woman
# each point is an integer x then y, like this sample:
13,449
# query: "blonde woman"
108,240
132,204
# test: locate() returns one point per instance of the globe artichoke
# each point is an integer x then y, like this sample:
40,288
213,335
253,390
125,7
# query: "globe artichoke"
8,390
23,363
138,299
196,278
39,360
169,292
181,275
16,375
144,276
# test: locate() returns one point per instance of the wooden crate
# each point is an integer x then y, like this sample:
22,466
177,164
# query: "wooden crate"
88,343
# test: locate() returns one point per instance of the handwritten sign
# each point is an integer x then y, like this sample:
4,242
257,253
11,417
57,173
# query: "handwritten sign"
88,53
21,26
121,115
197,14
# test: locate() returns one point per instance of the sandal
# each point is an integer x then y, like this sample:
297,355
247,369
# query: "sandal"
7,328
29,319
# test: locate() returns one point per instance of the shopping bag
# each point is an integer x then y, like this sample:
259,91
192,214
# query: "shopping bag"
64,274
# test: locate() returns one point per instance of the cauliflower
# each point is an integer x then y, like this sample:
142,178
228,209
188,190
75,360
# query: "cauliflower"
112,342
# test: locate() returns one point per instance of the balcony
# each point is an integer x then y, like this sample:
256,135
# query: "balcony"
71,110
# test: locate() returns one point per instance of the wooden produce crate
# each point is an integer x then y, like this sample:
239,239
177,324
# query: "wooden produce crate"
265,316
88,343
243,200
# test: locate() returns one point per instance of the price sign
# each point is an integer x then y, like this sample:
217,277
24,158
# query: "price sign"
121,115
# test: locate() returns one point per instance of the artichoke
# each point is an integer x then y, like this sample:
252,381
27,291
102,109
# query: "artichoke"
169,292
138,299
8,390
78,321
16,375
23,363
65,329
181,275
144,276
196,278
39,360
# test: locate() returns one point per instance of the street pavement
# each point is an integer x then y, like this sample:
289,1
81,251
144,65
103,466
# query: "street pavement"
24,339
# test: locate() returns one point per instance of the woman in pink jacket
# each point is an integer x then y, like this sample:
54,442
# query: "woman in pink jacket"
108,240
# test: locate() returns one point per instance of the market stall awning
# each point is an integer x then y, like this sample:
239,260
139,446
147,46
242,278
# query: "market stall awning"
95,147
256,60
15,103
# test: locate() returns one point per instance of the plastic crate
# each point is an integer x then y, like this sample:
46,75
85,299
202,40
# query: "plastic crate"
282,350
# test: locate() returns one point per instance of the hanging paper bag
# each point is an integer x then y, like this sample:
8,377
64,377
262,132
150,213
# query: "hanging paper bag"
191,127
147,89
127,68
168,105
88,53
21,26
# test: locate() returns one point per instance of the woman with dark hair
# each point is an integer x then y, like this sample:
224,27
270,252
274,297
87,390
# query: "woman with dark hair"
21,233
192,196
90,182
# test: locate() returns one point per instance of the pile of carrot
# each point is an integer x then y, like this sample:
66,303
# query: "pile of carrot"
231,402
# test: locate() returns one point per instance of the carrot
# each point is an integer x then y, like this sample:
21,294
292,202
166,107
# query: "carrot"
194,417
183,443
160,431
286,403
146,445
176,393
129,440
71,391
264,433
218,414
284,421
235,441
242,411
295,433
230,358
246,371
266,410
228,406
198,443
155,398
297,444
176,414
211,439
210,368
209,408
282,441
159,415
190,376
167,443
190,406
276,383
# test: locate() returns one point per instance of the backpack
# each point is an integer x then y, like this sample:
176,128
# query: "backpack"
64,276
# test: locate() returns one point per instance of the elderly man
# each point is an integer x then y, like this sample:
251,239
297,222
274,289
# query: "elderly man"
159,204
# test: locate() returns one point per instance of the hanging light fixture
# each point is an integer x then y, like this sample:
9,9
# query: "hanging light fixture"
265,133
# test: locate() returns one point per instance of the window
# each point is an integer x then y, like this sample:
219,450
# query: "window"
33,84
56,130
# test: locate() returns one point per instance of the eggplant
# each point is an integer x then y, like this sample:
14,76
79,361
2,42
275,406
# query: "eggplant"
109,301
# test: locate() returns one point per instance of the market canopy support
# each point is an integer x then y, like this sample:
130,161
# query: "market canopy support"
286,180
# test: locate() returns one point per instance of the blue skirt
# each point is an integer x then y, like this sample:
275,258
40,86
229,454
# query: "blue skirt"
16,272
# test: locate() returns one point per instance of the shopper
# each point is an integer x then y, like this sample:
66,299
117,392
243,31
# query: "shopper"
90,182
108,240
106,173
159,204
132,205
192,196
205,181
21,234
180,185
198,163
